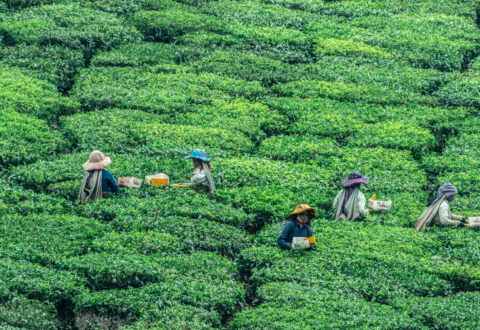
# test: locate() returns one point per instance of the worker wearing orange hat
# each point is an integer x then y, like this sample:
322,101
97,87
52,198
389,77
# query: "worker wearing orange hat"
299,224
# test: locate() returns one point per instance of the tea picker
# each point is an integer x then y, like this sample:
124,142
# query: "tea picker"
439,212
97,183
296,233
201,179
349,204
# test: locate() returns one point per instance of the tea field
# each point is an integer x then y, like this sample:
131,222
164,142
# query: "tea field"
287,97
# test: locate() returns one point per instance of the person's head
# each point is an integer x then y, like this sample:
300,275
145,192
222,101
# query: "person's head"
451,197
354,178
303,212
448,191
304,216
197,163
199,157
96,156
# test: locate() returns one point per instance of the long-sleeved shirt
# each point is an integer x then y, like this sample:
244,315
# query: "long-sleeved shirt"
108,182
199,178
290,230
361,203
444,217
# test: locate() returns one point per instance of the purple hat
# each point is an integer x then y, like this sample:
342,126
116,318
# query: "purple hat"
353,178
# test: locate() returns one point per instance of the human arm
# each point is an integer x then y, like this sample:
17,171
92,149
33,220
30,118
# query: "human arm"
361,205
282,238
198,177
444,214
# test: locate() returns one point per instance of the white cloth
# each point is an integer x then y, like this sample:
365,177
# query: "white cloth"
444,217
360,200
199,177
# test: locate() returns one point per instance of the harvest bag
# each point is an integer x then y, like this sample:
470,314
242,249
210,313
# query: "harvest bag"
379,205
300,243
128,182
474,221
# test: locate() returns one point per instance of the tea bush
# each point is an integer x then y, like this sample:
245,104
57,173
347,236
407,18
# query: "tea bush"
28,314
46,239
194,234
32,96
186,316
351,93
100,88
26,139
55,64
108,271
71,25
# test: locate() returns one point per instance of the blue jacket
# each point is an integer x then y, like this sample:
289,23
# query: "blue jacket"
290,230
108,182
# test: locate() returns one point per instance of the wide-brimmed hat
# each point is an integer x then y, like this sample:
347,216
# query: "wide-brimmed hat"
305,207
199,154
354,178
97,161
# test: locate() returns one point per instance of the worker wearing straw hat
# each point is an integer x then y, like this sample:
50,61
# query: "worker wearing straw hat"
350,201
98,183
438,213
202,176
299,224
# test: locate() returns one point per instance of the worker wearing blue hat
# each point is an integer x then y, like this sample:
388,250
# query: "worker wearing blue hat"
202,176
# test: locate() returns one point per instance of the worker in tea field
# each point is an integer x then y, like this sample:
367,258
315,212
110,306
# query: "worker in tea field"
439,212
201,179
350,201
97,183
299,224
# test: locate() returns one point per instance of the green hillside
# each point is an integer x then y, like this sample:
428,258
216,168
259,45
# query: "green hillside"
287,97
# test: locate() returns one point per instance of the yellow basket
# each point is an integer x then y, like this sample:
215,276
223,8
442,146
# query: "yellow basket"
159,182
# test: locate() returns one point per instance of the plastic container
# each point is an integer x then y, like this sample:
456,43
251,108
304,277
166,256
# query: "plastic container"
162,176
300,243
379,205
159,182
311,240
474,221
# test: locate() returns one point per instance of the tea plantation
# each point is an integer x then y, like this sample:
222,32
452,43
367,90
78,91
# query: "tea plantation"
287,97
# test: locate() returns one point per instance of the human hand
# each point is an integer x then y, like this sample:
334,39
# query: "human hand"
464,220
462,224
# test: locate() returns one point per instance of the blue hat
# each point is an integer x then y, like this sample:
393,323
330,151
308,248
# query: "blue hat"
199,154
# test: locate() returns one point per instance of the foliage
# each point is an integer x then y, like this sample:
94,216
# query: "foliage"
71,25
26,139
32,96
28,314
55,64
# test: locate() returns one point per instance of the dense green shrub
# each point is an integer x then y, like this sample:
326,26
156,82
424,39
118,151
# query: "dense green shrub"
16,201
298,147
70,25
184,203
55,64
219,296
28,314
350,93
462,92
133,128
402,135
194,234
178,316
275,43
32,96
100,88
168,24
47,239
335,47
307,114
108,271
41,283
26,139
138,54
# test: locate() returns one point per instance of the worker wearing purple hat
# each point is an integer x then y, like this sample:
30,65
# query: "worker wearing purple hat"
202,176
350,201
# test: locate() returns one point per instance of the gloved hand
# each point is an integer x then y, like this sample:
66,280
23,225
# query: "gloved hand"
464,220
462,224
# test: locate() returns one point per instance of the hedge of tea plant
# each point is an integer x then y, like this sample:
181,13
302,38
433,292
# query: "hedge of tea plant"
287,97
